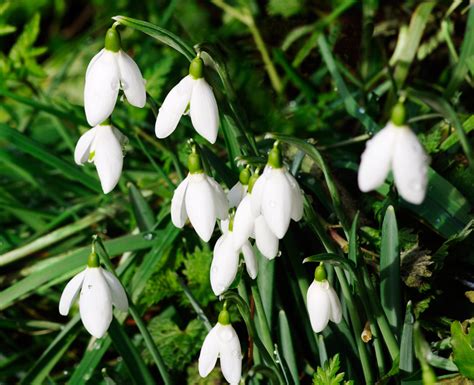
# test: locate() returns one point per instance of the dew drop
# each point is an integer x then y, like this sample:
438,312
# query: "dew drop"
214,269
65,373
237,354
273,204
148,236
361,110
124,85
115,84
279,253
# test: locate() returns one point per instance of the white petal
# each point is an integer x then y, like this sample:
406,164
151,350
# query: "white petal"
224,225
225,263
108,158
131,80
230,353
178,207
119,297
70,293
95,304
173,107
276,203
376,159
250,260
296,197
319,306
257,192
101,87
83,146
203,110
220,199
199,199
335,314
410,166
236,194
265,240
244,220
209,353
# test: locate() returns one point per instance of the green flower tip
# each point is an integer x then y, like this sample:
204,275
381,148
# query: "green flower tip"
112,40
106,122
252,181
224,317
274,156
194,163
196,68
320,273
93,260
244,176
398,114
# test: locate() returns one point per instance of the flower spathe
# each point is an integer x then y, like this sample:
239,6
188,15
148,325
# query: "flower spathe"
195,93
225,261
222,342
322,302
99,290
102,145
200,198
110,70
395,148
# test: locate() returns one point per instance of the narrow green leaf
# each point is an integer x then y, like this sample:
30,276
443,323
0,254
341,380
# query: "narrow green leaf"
441,105
333,259
390,281
409,40
350,103
160,34
139,373
286,344
142,211
353,244
407,353
67,264
266,284
25,144
55,351
467,54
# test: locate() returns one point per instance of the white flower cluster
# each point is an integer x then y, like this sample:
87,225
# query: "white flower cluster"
264,204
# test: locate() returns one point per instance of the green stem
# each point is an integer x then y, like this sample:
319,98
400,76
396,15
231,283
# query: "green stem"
195,304
385,329
245,17
150,344
262,319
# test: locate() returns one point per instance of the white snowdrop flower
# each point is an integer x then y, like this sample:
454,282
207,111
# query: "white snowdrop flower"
395,148
249,224
102,145
222,342
277,196
195,94
99,291
110,70
225,262
322,301
200,198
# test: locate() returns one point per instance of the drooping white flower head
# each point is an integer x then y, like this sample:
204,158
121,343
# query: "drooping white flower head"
395,148
102,145
195,93
225,261
200,198
222,342
322,301
110,70
277,196
99,290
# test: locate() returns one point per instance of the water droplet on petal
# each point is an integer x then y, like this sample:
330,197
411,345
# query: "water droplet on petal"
115,84
273,204
214,269
237,354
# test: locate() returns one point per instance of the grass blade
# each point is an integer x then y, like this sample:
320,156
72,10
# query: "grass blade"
390,271
139,373
286,344
407,353
25,144
141,210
